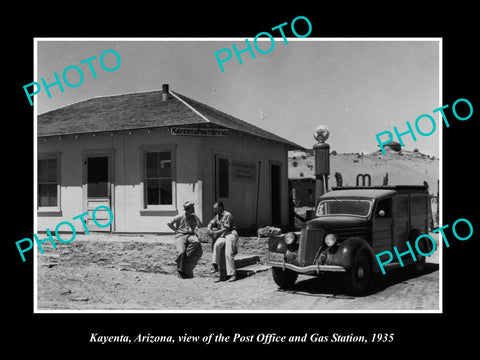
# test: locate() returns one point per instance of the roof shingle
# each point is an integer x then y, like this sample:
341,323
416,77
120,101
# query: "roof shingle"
139,111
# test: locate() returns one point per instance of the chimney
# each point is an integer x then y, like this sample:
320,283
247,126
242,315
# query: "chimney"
165,92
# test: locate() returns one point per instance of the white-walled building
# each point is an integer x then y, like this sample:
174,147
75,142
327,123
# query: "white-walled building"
144,154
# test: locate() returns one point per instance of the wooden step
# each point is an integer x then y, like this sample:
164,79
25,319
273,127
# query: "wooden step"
252,269
242,260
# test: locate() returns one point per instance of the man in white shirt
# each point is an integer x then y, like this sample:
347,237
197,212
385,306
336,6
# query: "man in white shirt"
223,229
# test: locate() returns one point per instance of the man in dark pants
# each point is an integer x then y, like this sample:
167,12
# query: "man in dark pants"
189,249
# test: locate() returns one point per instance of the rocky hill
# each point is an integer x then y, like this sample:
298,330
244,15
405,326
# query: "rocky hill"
403,168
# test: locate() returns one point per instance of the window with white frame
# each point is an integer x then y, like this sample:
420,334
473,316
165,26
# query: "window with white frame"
48,181
159,177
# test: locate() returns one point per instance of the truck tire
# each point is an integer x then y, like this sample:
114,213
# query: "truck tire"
284,278
357,278
418,266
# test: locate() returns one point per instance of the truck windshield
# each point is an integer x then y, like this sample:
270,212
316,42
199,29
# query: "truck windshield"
340,206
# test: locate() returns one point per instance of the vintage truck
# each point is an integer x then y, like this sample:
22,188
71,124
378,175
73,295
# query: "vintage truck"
350,226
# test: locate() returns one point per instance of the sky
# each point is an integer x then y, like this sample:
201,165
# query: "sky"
356,88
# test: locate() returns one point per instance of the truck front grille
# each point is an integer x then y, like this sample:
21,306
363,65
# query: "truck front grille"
310,242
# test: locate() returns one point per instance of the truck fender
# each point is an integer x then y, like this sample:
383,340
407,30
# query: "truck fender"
349,249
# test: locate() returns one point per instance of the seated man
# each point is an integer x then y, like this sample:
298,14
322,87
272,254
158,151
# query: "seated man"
225,235
189,249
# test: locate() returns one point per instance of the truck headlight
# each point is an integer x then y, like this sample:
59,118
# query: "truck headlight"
290,238
330,239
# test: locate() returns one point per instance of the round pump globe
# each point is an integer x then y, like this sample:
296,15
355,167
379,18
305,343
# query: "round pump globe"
321,133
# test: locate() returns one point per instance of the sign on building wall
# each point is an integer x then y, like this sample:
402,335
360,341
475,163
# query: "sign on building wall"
199,132
244,171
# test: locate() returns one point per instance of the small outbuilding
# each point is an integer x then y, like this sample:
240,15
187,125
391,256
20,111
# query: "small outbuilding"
145,154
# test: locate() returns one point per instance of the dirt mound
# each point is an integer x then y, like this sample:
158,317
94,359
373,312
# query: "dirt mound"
150,257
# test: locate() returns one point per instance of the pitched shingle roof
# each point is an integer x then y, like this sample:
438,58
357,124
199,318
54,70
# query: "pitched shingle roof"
139,111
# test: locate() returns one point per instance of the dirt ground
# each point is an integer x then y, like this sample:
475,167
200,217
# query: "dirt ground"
137,272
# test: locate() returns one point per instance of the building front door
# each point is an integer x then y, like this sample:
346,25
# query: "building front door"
98,176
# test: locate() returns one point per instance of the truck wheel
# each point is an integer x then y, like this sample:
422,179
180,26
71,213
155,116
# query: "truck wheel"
357,277
284,278
418,266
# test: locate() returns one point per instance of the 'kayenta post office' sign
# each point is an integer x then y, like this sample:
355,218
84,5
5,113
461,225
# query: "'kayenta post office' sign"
199,132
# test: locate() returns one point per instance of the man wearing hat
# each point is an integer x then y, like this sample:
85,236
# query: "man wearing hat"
189,249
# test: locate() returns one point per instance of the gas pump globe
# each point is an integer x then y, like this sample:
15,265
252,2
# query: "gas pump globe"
321,133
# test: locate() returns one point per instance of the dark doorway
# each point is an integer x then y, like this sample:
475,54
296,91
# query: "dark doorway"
222,177
275,194
97,177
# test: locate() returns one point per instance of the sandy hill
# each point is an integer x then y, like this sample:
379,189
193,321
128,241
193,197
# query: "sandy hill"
403,167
